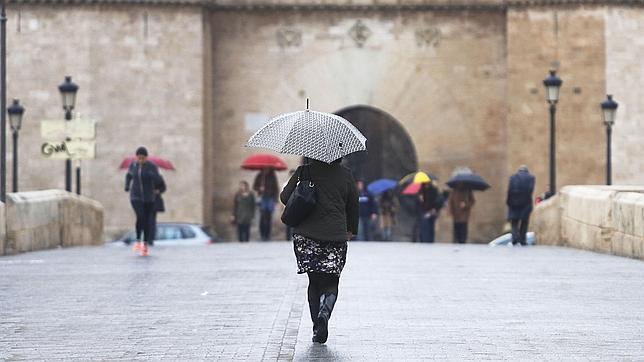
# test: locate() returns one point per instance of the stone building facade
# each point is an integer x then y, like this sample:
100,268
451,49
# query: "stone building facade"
192,80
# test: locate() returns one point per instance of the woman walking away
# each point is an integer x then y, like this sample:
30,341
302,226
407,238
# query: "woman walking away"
244,211
320,241
388,209
143,182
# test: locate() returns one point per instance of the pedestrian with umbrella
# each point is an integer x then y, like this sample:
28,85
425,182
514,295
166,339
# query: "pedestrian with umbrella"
461,199
266,187
387,205
324,197
144,183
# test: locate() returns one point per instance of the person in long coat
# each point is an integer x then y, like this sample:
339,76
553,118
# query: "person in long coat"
142,181
159,206
266,187
320,241
244,211
519,201
388,208
461,200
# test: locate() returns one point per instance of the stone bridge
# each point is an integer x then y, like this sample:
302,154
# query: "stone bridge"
398,301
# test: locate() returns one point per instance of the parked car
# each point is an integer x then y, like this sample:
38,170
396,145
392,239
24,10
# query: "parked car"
177,234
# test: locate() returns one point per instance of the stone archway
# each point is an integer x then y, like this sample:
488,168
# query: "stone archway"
390,150
390,154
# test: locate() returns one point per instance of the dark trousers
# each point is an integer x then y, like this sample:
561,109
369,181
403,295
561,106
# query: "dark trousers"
243,232
320,283
460,232
265,221
427,229
145,212
519,230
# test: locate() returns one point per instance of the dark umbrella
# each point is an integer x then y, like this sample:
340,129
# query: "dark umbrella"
468,180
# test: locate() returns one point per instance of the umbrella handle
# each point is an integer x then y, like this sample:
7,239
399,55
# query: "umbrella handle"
307,103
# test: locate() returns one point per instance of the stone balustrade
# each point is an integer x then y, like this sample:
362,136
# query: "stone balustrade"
607,219
48,219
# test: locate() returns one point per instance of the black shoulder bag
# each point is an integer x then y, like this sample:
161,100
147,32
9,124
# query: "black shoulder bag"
302,201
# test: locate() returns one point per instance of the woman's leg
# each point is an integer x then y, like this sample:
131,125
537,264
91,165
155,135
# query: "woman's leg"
327,293
138,210
148,222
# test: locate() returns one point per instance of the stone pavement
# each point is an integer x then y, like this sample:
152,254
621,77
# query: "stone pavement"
398,301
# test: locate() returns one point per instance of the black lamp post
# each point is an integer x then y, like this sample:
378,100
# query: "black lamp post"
68,91
3,101
15,112
609,109
552,84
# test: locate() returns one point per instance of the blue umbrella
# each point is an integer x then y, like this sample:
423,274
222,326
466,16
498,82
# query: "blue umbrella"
381,185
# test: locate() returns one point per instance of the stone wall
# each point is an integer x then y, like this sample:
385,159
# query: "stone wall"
571,40
624,34
599,218
140,72
440,74
49,219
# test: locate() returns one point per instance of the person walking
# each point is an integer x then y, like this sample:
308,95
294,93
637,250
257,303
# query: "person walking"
519,202
430,204
461,200
288,228
266,187
143,181
388,209
320,241
244,211
368,212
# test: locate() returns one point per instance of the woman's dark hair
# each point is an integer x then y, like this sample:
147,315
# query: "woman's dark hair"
141,151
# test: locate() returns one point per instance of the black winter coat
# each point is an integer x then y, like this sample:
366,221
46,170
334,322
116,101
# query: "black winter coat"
519,198
142,181
336,211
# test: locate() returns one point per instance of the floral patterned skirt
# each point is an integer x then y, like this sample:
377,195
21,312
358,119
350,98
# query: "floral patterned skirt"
319,256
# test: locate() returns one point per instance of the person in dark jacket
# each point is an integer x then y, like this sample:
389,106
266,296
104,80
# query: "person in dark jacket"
388,209
244,211
519,201
320,241
143,181
461,200
430,202
266,187
368,212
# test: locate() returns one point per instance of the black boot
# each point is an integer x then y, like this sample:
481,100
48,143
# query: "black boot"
327,301
314,308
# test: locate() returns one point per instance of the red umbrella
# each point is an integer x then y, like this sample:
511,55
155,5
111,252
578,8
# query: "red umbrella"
264,160
164,164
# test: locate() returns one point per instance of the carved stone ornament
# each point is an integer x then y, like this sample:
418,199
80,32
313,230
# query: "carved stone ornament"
359,32
428,37
289,38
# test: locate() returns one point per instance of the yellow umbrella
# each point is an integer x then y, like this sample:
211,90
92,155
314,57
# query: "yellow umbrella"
416,178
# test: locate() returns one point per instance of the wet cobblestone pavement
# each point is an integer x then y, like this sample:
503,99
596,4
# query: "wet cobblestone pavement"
398,301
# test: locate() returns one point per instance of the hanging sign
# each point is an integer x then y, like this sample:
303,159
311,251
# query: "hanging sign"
75,150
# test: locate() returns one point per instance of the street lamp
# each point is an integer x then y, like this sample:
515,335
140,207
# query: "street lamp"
68,91
552,84
609,109
15,112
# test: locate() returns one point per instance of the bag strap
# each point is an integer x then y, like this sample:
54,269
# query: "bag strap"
303,175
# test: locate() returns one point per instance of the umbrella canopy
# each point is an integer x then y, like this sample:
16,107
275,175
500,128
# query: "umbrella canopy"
160,162
413,182
320,136
379,186
469,180
264,160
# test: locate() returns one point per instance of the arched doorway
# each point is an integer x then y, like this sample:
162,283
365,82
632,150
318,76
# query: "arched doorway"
390,154
390,150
